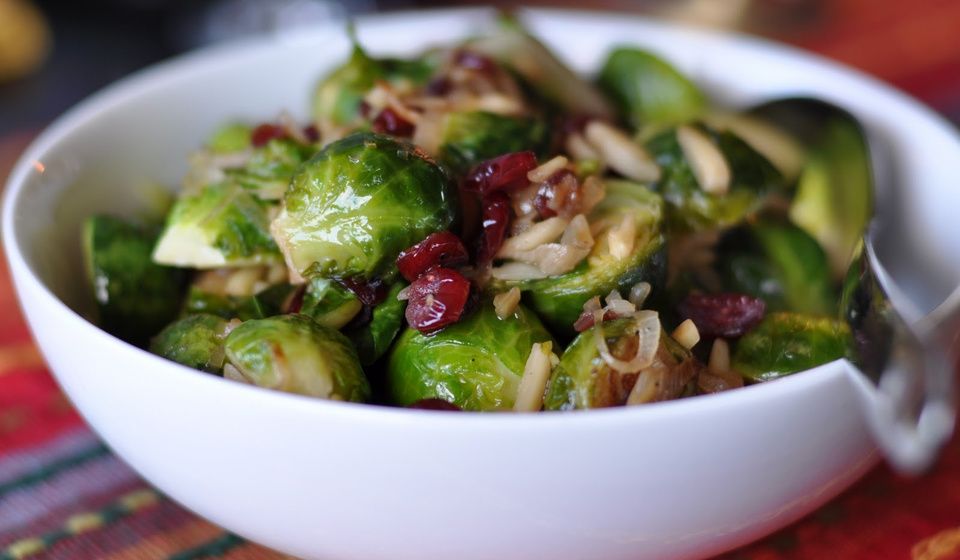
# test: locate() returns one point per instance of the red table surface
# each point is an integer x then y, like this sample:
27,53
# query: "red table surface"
44,513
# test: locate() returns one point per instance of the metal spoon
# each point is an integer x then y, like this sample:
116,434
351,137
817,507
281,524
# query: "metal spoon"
904,361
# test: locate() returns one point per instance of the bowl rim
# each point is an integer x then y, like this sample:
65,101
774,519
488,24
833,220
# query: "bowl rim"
147,78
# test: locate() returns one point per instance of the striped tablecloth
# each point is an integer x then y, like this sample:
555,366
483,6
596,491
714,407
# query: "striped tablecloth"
63,494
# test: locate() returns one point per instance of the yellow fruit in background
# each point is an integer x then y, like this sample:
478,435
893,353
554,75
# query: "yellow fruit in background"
24,39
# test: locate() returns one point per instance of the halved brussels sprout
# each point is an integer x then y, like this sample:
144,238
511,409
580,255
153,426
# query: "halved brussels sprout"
374,339
222,225
229,138
271,166
474,136
583,379
475,363
780,264
358,203
559,300
785,343
266,303
512,46
294,354
329,303
648,90
689,206
135,297
336,101
195,341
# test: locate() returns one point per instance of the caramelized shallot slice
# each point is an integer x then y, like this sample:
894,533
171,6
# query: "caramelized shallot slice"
647,328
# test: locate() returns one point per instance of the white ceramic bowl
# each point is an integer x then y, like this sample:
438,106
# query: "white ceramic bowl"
330,480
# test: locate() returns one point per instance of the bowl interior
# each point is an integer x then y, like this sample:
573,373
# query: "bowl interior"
120,150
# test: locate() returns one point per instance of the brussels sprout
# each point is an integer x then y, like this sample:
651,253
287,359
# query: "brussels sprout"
270,168
648,90
583,379
329,304
559,299
475,363
471,137
195,341
233,137
373,339
834,198
337,98
512,46
135,297
266,303
779,263
785,343
354,206
222,225
689,207
293,353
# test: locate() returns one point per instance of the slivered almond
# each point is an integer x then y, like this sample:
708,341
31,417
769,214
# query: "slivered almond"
545,170
539,233
621,237
686,334
506,303
719,357
706,160
578,147
536,372
620,152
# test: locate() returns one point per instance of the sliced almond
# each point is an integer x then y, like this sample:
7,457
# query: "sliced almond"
706,160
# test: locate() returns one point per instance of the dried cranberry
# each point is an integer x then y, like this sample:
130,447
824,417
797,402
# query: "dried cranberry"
505,172
296,299
586,319
496,220
389,122
436,299
435,404
575,123
312,133
722,315
439,86
364,108
265,133
474,61
369,292
438,249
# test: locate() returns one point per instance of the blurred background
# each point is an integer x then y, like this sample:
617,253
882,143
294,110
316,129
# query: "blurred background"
55,52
